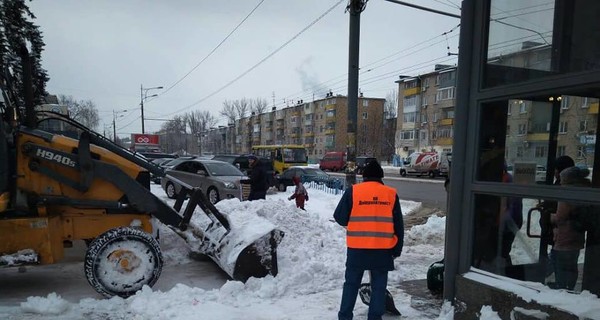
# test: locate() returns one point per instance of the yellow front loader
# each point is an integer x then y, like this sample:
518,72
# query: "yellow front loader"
70,183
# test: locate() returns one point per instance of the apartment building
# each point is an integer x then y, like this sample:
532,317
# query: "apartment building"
320,125
426,111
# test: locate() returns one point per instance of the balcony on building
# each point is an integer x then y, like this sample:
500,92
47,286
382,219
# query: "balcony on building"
330,107
269,125
447,122
330,144
309,108
445,141
280,115
308,122
411,91
329,132
309,134
593,109
297,123
280,124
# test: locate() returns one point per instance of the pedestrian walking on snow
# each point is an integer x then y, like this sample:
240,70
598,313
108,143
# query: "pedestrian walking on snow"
300,193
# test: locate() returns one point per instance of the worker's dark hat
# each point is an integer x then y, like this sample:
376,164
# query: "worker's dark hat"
373,170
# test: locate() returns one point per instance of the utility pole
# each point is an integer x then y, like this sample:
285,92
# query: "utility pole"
144,96
355,7
114,127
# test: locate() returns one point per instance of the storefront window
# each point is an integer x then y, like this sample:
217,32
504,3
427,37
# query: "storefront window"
528,40
515,234
531,240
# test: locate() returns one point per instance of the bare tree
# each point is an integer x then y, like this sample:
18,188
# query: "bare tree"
199,121
229,111
84,111
259,105
242,106
172,132
390,108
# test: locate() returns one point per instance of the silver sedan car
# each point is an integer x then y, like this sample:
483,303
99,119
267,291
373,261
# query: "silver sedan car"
220,180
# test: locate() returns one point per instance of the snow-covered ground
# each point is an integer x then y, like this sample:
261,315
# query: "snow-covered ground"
311,260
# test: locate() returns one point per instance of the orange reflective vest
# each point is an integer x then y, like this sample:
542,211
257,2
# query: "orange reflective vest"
371,224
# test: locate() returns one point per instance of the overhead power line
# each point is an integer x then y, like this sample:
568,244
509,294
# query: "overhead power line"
425,8
260,62
214,49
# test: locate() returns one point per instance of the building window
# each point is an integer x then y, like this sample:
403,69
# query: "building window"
410,84
581,154
540,152
522,129
425,83
445,133
583,125
509,108
424,117
507,130
410,117
365,103
424,100
444,94
562,127
435,117
519,152
561,150
522,107
365,115
564,102
410,101
407,135
585,103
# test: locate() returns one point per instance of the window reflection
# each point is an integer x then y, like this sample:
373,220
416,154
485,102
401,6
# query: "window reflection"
509,232
527,40
527,135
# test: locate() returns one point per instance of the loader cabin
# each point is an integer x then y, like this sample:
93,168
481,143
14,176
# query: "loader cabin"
528,92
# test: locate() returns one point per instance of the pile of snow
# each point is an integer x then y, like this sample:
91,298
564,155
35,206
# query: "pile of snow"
311,259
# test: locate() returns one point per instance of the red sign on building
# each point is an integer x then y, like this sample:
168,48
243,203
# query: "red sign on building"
139,138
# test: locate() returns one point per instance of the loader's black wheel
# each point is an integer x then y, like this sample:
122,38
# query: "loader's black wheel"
403,173
121,261
213,195
170,190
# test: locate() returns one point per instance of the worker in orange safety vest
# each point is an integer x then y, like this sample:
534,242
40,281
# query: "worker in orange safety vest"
371,213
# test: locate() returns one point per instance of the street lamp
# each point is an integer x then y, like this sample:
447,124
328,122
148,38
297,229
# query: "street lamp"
144,96
115,113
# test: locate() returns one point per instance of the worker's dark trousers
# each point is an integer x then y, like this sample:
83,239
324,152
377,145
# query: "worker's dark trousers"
257,195
351,286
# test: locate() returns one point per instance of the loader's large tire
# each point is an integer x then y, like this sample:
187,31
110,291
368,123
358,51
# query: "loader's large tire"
121,261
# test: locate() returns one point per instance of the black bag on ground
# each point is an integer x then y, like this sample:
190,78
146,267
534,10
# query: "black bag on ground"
435,277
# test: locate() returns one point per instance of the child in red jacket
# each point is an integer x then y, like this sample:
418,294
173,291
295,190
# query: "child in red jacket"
300,194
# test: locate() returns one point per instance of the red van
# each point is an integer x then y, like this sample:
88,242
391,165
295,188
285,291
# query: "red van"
333,161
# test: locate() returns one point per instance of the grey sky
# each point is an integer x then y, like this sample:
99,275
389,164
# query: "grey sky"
104,50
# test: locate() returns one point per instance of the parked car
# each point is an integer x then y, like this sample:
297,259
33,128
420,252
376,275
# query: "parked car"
307,174
240,161
361,162
158,162
218,179
333,161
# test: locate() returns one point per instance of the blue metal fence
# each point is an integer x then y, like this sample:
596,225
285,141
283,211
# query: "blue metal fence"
327,184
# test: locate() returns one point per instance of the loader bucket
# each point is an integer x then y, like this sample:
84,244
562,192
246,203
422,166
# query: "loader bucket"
242,252
242,247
